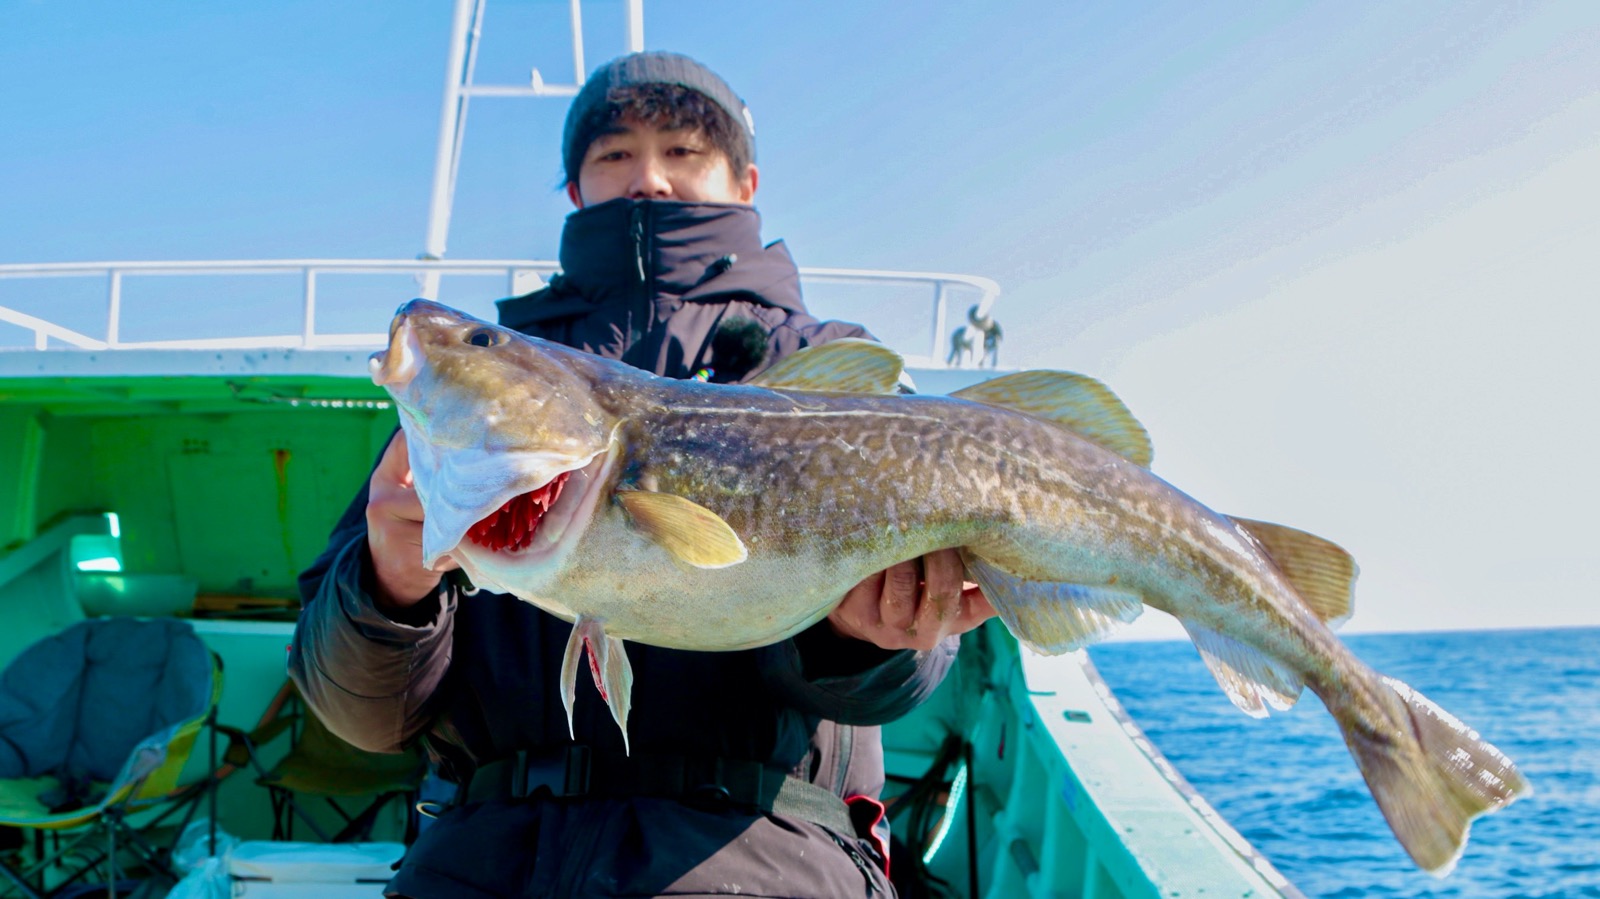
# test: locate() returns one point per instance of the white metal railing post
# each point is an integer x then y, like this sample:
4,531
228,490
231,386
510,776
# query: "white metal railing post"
452,117
309,313
635,29
578,70
938,319
459,89
113,307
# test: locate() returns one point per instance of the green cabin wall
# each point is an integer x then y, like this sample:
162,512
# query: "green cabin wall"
65,481
239,501
20,451
229,484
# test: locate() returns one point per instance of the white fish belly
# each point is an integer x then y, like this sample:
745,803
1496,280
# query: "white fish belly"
640,593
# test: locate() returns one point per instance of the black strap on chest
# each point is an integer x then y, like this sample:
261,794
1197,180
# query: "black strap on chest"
707,782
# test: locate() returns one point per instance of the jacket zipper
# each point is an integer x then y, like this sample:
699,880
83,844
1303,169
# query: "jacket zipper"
641,255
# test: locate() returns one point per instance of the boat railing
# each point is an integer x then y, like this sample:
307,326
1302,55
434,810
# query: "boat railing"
47,322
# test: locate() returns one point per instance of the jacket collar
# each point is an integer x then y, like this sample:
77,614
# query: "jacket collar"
682,251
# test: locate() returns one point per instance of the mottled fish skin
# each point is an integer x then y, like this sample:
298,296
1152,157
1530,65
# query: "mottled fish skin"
827,489
824,489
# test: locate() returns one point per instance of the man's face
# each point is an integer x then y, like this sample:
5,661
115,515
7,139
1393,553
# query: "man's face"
645,163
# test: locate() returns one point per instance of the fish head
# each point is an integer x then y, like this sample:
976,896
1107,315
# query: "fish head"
492,416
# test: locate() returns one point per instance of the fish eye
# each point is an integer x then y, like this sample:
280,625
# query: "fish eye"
485,337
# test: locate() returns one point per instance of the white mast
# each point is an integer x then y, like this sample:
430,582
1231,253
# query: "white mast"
459,90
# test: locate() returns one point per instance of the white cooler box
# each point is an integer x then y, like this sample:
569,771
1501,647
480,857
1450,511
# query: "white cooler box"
262,869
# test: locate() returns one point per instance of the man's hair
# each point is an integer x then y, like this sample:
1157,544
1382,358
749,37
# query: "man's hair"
661,106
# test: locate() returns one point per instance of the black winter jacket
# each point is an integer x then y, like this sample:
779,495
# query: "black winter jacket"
673,288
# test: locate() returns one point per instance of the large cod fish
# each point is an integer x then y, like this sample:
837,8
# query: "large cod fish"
709,517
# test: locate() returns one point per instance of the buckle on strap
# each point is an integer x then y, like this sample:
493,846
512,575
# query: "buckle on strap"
563,773
566,774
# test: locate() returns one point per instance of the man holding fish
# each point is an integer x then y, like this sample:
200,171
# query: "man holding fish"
733,774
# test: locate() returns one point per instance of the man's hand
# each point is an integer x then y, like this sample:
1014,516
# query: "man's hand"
394,532
913,605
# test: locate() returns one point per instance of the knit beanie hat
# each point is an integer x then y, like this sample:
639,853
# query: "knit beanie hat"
651,67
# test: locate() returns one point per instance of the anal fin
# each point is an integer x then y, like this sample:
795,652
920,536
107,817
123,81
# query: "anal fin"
608,665
1052,618
1251,678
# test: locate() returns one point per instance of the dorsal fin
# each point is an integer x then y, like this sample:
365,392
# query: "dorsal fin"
1077,402
1321,572
846,365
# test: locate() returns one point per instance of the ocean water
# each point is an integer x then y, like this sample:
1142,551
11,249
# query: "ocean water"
1288,784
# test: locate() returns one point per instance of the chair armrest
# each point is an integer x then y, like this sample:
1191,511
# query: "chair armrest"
242,745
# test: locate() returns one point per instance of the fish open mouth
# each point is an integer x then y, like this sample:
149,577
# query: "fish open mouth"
512,526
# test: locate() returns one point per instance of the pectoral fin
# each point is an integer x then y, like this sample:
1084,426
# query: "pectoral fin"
689,531
847,365
1251,678
1076,402
1321,572
1052,618
608,664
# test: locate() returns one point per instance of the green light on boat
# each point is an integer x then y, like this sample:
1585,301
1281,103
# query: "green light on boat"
99,552
957,788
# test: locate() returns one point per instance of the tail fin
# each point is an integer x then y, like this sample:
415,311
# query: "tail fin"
1432,775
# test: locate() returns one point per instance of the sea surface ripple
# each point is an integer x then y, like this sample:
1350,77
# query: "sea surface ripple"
1290,787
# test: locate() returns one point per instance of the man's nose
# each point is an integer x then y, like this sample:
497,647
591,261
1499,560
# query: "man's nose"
650,181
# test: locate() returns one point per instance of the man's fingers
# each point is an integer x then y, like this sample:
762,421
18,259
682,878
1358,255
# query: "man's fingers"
390,494
902,589
915,604
402,531
975,609
851,617
394,530
407,533
401,450
396,460
943,575
938,599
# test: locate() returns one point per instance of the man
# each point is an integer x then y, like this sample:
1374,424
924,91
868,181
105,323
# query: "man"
740,761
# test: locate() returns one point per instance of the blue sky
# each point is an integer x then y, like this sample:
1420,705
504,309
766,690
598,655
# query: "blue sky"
1338,257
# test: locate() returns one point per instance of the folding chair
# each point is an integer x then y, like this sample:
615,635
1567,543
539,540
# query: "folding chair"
319,764
96,724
